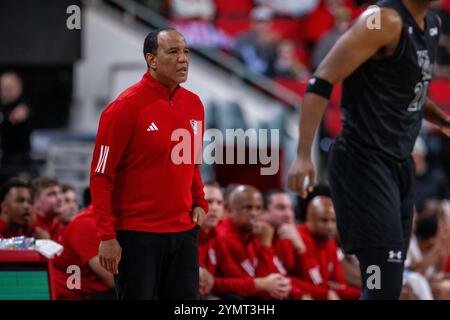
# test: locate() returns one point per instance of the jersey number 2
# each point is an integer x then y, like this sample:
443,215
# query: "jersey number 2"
421,91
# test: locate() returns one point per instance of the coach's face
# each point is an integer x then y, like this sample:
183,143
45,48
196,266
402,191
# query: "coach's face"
171,61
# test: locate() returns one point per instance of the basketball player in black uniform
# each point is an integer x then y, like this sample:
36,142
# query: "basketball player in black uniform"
386,66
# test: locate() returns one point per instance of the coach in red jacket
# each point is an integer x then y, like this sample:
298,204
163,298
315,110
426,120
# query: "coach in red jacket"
147,192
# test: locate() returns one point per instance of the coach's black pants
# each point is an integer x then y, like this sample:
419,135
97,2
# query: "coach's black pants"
158,265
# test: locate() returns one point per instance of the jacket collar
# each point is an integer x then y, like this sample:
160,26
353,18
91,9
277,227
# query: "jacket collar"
158,86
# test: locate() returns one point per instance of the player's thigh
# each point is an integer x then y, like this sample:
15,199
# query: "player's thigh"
366,199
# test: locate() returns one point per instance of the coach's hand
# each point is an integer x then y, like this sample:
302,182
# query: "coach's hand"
109,254
301,176
198,215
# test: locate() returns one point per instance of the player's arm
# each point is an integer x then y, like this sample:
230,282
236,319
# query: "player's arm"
435,115
356,46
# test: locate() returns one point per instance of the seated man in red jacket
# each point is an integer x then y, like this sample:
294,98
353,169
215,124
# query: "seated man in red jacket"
16,216
287,242
207,238
321,265
215,261
247,240
81,241
69,210
47,204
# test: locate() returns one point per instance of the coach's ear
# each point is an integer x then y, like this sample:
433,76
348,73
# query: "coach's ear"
151,61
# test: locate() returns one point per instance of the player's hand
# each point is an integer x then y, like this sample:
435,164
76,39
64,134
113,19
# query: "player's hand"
198,215
289,231
109,253
264,232
206,281
19,114
301,176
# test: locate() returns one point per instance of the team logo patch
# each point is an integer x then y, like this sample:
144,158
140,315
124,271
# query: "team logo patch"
194,125
395,256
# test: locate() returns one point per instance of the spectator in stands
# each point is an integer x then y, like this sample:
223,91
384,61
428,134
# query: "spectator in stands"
15,126
257,47
159,6
431,182
193,9
81,244
47,204
16,216
321,265
342,18
248,241
290,8
287,65
428,252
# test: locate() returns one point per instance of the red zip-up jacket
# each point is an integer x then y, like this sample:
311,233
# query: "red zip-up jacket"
320,266
246,250
217,261
292,262
80,241
136,182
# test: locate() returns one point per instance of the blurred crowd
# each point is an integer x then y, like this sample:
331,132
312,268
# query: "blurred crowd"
278,38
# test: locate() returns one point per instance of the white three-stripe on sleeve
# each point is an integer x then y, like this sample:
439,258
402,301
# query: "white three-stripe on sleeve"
104,150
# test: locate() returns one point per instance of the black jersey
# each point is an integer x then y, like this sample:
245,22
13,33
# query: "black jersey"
383,99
